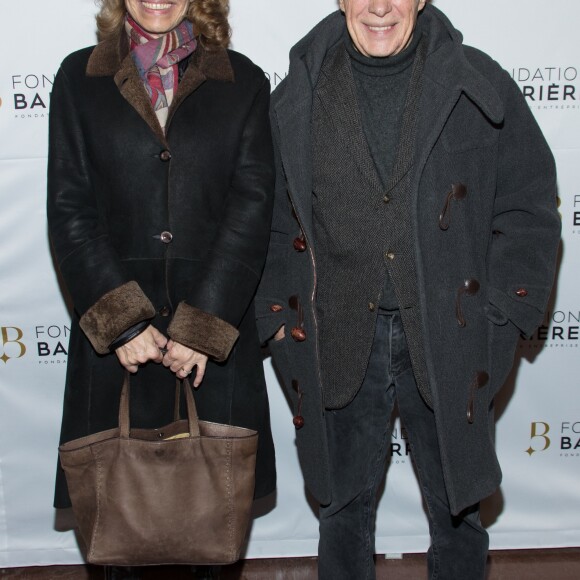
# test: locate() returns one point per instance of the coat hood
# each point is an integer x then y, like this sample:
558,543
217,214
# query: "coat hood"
450,66
313,47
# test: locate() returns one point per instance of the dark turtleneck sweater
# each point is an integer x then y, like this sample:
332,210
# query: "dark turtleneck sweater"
382,85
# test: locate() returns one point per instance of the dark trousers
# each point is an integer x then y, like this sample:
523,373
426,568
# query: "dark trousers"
359,439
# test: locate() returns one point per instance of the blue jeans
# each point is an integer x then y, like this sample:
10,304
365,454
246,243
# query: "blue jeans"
359,439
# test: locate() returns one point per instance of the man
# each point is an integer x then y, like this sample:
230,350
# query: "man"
414,238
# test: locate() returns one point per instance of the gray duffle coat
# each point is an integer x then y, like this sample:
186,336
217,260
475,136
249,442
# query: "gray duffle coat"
485,237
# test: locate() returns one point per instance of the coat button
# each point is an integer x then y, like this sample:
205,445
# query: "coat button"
386,199
276,308
522,292
471,411
166,237
390,255
481,379
298,421
471,286
459,190
165,155
372,306
165,311
298,334
299,244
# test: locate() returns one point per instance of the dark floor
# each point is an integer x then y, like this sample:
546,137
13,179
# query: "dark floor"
561,564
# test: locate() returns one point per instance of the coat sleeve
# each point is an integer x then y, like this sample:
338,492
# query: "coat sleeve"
104,296
207,321
526,224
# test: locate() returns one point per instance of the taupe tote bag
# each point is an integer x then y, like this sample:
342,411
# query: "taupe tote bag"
180,494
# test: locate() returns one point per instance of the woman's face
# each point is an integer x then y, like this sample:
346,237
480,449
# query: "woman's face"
157,16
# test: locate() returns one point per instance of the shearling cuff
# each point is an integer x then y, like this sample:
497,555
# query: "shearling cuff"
203,332
114,313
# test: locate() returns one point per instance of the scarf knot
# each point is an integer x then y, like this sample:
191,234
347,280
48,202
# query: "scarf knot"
156,59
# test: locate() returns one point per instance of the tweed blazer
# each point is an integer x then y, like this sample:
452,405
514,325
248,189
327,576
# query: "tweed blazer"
362,231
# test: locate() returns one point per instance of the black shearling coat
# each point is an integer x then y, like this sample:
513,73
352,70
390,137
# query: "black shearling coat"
475,135
171,228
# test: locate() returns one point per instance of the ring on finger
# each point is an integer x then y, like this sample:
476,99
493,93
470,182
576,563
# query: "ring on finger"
185,372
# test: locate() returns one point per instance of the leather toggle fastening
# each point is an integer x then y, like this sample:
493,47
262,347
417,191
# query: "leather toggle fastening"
458,192
298,419
470,288
299,243
297,332
480,380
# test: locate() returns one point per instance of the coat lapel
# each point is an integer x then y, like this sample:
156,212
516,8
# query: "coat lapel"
293,123
292,110
293,114
448,73
203,65
111,58
131,87
336,90
437,103
446,78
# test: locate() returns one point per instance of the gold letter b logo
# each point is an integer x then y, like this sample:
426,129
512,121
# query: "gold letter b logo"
12,335
539,430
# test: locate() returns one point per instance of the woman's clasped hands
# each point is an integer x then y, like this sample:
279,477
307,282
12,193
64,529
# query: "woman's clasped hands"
152,345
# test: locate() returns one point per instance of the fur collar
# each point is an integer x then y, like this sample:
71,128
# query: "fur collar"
109,55
111,58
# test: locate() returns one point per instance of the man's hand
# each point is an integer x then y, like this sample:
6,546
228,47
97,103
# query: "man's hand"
181,360
144,347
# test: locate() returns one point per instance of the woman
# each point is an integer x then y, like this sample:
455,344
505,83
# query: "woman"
159,201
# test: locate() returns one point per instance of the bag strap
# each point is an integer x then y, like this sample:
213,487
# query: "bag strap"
191,409
176,409
124,411
124,424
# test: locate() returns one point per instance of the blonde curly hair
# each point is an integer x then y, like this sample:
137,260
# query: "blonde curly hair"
209,19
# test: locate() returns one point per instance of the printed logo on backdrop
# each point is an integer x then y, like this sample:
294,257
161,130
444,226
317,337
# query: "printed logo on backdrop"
549,88
12,345
30,96
400,451
569,213
574,219
44,344
275,78
555,438
559,329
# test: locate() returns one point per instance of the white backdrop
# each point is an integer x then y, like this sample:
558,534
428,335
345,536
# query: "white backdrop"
538,431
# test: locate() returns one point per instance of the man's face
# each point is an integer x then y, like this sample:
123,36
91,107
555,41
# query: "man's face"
381,27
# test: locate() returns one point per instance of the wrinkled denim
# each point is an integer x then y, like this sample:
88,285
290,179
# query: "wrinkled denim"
359,439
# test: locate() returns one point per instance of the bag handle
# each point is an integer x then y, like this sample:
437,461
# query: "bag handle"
124,415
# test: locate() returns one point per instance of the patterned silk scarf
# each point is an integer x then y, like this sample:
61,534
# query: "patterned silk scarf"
156,60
